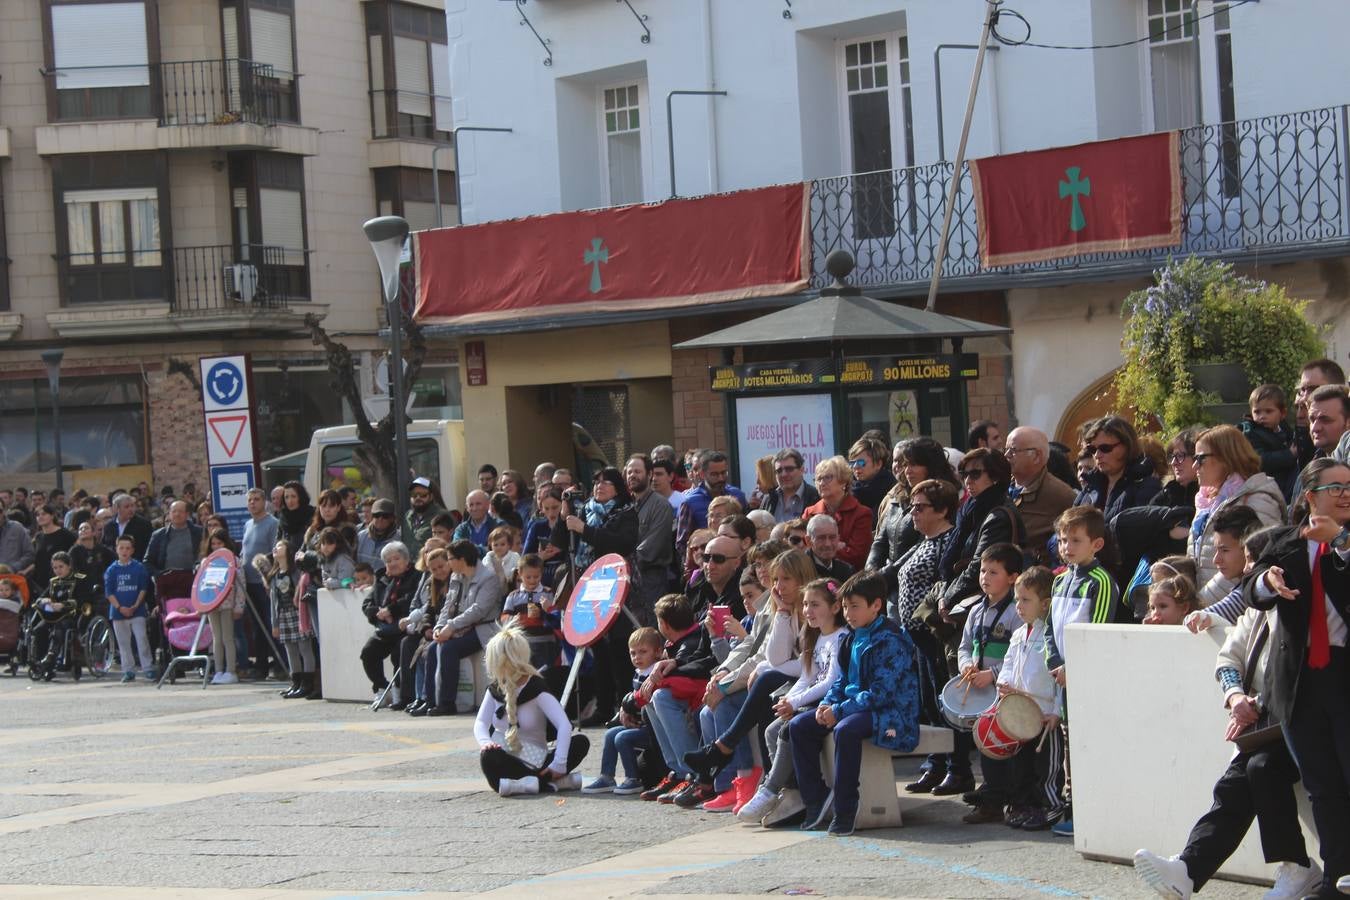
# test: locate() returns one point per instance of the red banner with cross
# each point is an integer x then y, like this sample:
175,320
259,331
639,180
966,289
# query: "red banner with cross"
1090,198
734,246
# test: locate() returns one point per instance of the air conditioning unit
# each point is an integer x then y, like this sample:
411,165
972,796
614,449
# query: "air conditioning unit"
241,282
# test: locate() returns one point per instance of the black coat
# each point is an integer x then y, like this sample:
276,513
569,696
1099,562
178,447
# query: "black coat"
871,493
1137,487
1289,644
895,536
138,527
1002,524
394,593
1174,493
617,533
1142,532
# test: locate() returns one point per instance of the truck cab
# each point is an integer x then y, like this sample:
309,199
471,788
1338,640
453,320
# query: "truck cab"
435,450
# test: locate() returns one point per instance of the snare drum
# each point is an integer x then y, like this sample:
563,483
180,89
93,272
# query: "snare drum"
991,739
1020,717
962,704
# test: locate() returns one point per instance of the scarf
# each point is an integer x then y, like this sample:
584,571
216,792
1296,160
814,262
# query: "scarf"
1208,499
595,513
295,522
969,517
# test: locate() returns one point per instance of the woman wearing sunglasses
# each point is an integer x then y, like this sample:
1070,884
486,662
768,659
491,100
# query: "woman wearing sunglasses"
1181,487
1305,575
1123,477
1229,473
912,461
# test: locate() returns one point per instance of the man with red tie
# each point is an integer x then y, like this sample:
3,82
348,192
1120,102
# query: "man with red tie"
1306,573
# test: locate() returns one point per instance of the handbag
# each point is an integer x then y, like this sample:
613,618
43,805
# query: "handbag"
1266,731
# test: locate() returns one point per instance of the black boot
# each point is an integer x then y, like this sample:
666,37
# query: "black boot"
313,691
299,689
286,691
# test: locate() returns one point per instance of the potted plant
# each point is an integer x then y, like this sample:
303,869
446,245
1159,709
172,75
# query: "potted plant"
1201,336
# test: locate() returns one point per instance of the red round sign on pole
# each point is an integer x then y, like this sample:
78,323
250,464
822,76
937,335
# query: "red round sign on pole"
215,577
596,601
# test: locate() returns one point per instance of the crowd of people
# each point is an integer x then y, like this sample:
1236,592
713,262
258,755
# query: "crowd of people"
852,606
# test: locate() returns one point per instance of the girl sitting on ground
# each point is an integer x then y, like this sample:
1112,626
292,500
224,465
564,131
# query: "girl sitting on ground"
820,666
512,725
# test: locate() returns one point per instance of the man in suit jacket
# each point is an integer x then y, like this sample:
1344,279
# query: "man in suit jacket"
1308,676
126,521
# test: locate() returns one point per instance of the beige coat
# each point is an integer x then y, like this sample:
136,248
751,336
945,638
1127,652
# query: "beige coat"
1263,495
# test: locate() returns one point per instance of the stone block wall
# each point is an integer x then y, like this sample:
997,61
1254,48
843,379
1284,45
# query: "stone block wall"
699,412
177,439
987,396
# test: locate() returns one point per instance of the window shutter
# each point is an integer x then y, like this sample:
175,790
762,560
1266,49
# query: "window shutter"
99,45
229,17
271,34
283,223
410,63
420,214
440,81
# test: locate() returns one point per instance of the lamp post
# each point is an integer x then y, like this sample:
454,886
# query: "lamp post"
52,360
386,235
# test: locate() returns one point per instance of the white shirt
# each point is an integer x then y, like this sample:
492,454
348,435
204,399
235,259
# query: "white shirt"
532,720
1336,630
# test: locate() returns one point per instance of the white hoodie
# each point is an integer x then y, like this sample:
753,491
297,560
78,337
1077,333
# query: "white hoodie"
1024,668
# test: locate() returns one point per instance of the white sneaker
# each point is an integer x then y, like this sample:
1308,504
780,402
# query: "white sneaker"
1295,881
789,804
1343,884
758,806
216,678
527,785
225,678
569,782
1168,877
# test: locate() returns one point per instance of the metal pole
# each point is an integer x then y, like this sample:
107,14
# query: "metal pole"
937,89
670,129
436,172
52,358
941,255
399,414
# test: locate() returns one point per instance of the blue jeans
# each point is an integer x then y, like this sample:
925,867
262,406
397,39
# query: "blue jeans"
424,677
714,722
448,656
808,741
673,731
623,743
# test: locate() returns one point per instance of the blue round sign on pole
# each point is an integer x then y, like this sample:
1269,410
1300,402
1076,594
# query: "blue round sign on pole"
225,383
596,601
215,577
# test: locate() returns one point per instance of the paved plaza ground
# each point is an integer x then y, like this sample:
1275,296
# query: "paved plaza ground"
117,791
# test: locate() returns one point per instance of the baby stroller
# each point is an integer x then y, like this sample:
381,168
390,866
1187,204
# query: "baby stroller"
185,632
12,614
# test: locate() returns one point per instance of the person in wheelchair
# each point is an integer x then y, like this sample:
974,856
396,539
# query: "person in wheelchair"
57,609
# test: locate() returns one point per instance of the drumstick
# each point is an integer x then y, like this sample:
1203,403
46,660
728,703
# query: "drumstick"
1045,733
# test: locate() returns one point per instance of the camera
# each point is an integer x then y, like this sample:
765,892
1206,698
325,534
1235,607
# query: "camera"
576,500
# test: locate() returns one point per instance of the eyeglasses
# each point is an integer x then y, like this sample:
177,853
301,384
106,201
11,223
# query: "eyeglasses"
717,558
1100,449
1178,458
783,470
857,463
381,515
421,495
1336,490
1200,458
972,474
826,478
795,540
914,507
1013,451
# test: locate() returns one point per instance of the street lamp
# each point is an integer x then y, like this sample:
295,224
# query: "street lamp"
52,360
387,235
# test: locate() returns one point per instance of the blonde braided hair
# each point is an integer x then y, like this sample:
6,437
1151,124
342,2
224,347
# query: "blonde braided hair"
507,658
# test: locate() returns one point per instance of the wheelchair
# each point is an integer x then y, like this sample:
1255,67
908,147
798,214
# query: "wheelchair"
78,639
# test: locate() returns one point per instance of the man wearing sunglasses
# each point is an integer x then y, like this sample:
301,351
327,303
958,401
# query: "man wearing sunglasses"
371,540
793,495
425,508
719,579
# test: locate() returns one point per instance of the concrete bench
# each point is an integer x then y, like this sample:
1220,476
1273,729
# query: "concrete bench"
878,800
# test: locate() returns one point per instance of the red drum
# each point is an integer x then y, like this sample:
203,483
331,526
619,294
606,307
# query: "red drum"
990,737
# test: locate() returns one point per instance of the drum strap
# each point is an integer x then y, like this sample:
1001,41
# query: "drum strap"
987,628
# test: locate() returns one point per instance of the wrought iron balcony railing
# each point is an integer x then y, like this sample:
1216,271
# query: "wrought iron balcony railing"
1274,185
193,92
193,280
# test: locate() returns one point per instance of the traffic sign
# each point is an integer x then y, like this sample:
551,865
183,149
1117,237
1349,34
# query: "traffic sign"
224,384
215,578
229,494
229,438
596,601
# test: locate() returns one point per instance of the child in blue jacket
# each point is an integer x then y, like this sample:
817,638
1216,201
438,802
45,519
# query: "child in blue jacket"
875,696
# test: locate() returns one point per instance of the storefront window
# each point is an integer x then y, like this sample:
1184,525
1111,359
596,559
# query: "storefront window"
292,403
436,393
102,424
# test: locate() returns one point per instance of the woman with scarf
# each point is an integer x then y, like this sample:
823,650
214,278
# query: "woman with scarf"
987,517
297,514
1229,473
610,525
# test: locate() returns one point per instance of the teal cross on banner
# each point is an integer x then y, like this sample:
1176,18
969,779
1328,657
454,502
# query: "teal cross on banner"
1075,188
597,254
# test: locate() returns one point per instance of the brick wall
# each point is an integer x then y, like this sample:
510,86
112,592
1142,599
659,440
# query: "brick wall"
700,420
987,396
177,441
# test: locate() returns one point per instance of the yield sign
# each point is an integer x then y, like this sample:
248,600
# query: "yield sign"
228,438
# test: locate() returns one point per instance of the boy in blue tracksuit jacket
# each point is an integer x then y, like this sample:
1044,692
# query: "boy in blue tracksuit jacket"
875,696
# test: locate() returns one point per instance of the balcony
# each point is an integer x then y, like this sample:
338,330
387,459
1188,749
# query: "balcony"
1273,187
406,139
200,289
195,104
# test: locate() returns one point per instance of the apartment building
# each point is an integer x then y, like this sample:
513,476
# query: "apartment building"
864,101
183,178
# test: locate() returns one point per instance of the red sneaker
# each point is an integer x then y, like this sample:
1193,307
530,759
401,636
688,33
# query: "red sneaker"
669,795
745,787
665,784
725,801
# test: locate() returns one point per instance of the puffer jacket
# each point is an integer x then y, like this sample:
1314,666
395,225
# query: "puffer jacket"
890,687
1263,495
1136,487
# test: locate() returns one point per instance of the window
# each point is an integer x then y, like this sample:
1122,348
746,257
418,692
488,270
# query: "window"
268,195
108,209
623,144
294,398
100,66
1173,64
263,33
436,393
876,93
1228,141
410,193
102,423
409,71
344,466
